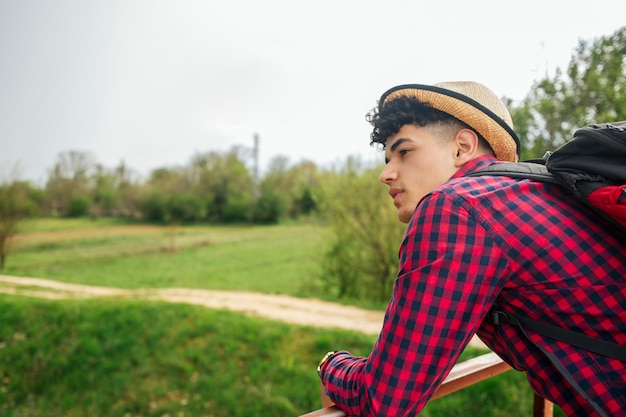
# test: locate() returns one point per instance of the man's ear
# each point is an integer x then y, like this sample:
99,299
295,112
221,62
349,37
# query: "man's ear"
466,146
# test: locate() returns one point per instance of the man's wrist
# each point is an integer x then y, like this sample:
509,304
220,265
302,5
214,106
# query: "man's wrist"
324,359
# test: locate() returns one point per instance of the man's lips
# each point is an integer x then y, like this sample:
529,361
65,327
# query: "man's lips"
395,193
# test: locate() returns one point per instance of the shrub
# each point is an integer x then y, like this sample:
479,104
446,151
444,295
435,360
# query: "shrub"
79,206
269,207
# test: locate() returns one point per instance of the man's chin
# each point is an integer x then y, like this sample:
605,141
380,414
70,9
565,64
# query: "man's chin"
403,217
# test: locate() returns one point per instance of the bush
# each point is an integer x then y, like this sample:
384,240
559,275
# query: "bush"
79,206
153,207
236,210
269,208
183,208
366,233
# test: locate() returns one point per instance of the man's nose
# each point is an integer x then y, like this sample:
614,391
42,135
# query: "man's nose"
388,174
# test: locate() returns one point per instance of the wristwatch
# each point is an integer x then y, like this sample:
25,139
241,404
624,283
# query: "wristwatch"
324,359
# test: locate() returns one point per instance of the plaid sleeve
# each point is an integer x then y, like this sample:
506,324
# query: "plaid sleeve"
449,274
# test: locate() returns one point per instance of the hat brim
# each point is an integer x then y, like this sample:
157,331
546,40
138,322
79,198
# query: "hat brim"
500,136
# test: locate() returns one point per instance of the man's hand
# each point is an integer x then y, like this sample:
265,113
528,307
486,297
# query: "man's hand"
326,401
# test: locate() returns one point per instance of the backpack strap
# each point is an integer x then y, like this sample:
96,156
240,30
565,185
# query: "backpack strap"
534,170
499,317
592,344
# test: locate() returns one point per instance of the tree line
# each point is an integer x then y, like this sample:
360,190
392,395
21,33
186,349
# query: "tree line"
361,258
213,187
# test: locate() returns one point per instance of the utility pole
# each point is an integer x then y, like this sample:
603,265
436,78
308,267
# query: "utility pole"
255,155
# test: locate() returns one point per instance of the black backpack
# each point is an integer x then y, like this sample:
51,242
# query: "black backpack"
592,166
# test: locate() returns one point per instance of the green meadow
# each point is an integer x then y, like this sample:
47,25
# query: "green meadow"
272,259
130,357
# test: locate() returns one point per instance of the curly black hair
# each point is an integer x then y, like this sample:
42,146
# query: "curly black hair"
404,110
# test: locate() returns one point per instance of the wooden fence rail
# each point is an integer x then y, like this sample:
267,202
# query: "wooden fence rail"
462,375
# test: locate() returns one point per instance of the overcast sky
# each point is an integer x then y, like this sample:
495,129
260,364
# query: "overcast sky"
153,82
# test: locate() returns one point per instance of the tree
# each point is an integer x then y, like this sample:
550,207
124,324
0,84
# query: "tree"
14,207
225,184
69,177
128,189
105,193
156,193
362,259
591,90
292,185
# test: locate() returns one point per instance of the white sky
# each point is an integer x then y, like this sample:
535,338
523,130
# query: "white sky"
153,82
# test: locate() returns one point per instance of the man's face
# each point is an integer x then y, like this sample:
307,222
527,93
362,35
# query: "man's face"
418,161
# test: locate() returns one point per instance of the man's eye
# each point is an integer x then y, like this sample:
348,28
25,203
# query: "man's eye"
403,152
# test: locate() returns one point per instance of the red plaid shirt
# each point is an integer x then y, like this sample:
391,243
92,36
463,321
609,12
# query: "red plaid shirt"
476,241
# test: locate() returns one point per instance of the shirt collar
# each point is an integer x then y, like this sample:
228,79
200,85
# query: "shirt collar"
475,164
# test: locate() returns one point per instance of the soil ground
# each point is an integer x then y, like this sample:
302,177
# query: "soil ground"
302,311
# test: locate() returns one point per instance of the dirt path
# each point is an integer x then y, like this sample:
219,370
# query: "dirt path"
303,311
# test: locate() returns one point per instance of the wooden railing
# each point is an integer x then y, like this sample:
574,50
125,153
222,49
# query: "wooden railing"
462,375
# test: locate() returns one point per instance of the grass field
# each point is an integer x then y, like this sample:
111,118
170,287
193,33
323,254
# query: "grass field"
105,252
114,357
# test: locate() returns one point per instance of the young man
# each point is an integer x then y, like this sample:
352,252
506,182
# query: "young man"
473,243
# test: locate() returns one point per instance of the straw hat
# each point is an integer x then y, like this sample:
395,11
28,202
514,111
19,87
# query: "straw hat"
471,103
